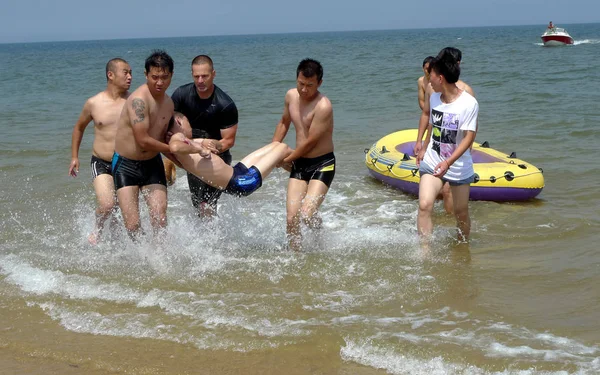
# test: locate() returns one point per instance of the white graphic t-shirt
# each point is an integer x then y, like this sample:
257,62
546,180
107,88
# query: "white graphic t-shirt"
450,123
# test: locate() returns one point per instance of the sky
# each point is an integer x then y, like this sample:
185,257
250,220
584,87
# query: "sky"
63,20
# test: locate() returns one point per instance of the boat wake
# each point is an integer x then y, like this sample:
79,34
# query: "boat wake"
576,42
586,41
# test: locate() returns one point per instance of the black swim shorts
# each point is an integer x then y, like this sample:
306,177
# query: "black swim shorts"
127,172
100,166
321,168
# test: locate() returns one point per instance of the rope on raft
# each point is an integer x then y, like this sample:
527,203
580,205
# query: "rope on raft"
509,176
389,167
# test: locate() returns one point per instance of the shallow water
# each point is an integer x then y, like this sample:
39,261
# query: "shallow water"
363,298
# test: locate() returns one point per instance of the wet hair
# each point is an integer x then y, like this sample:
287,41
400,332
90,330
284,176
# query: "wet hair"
428,60
111,65
445,64
455,52
203,59
310,68
159,59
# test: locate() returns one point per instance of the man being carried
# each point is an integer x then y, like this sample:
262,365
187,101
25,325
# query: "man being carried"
104,109
197,157
137,164
313,161
213,115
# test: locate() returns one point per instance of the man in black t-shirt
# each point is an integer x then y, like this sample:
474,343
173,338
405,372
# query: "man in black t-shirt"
213,116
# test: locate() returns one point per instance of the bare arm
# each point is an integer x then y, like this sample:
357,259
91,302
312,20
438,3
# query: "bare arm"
468,89
421,154
284,124
140,123
423,122
421,92
179,144
82,122
228,137
321,124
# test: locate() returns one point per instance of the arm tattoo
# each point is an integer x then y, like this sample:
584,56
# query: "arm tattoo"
138,106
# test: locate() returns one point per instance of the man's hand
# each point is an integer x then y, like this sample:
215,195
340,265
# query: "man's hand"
441,168
213,145
420,157
74,167
285,165
168,137
418,147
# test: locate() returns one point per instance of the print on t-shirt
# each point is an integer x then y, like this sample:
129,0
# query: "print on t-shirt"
445,130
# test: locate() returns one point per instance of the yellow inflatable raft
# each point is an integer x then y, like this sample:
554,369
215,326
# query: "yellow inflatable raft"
498,177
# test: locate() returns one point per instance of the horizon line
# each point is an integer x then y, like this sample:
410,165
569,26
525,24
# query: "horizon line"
278,33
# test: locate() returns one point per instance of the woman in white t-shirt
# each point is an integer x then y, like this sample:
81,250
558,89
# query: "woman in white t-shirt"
446,155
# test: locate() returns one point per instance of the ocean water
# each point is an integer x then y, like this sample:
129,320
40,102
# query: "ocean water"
226,297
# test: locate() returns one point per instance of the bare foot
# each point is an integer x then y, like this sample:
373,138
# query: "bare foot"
93,238
295,243
315,222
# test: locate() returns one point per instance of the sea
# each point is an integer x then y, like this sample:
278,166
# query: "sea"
363,297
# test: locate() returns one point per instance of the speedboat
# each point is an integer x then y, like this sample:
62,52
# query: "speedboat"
556,36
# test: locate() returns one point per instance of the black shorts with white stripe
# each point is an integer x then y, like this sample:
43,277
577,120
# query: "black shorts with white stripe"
100,166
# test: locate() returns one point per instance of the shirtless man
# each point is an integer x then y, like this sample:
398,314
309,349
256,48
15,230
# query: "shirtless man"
424,120
423,82
104,109
142,129
313,161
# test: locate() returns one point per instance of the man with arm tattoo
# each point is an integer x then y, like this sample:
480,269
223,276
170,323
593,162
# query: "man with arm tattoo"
137,165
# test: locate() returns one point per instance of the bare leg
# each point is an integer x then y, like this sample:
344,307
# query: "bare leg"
461,210
447,197
156,199
105,198
429,188
215,172
312,201
295,194
267,157
130,208
206,211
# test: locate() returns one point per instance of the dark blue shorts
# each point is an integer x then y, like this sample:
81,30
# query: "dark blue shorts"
244,181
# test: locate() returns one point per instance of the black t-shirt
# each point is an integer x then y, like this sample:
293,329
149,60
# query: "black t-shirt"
207,116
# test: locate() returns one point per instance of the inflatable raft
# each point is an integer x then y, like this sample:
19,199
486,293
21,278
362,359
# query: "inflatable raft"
498,177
